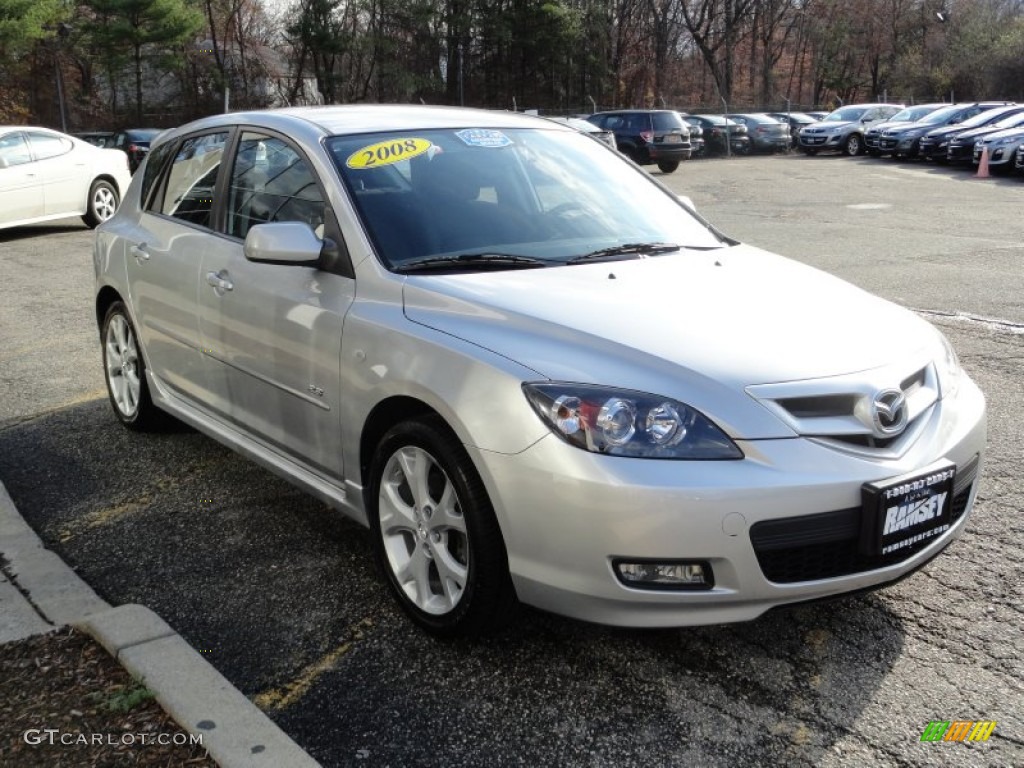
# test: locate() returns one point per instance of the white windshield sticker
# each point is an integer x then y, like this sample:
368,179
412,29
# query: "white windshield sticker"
483,137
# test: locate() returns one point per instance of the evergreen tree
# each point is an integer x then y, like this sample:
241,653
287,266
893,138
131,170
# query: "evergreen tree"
131,25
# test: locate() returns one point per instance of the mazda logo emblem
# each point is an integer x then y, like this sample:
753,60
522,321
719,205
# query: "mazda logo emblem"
889,412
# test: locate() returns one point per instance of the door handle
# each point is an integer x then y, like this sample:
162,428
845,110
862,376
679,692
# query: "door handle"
219,280
139,252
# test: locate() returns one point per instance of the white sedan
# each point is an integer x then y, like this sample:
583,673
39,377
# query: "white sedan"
46,175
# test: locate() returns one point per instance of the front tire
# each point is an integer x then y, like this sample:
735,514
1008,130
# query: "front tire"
667,166
854,145
435,532
125,373
102,203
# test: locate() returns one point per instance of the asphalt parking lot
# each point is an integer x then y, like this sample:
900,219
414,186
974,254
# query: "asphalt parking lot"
280,593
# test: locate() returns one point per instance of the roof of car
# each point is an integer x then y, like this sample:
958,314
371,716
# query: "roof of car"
371,118
5,128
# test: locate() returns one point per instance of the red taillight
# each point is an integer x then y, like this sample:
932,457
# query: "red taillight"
132,148
647,136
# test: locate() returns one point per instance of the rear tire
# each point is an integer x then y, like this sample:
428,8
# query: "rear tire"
435,533
666,166
101,204
125,373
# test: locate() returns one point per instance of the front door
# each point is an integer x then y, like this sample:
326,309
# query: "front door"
272,333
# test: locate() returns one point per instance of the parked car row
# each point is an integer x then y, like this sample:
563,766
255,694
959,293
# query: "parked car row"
943,133
665,137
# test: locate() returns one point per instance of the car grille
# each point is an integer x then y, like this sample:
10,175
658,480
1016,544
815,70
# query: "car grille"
827,545
813,140
887,143
836,411
959,151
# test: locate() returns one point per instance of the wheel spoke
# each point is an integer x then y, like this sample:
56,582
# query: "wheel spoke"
449,514
113,355
395,514
419,569
453,573
416,465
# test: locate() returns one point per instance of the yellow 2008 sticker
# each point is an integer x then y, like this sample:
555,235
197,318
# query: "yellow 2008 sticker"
387,152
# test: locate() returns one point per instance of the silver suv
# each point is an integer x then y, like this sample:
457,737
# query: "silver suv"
843,130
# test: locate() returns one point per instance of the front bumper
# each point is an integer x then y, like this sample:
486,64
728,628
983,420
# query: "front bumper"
933,149
566,514
960,153
823,141
999,155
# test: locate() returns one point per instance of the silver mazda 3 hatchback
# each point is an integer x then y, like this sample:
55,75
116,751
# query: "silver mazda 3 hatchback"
532,371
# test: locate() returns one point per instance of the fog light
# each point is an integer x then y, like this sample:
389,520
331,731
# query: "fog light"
651,574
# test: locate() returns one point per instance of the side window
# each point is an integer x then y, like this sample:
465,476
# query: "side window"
120,140
271,181
154,164
14,150
191,178
45,145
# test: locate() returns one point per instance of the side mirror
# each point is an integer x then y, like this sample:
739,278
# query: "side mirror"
283,242
3,162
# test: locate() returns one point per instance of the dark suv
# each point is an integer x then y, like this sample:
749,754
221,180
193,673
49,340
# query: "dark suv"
648,136
135,143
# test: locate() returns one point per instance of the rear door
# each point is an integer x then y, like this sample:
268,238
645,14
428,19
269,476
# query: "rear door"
65,172
21,186
164,256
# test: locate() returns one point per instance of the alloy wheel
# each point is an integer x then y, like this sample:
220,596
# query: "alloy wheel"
423,531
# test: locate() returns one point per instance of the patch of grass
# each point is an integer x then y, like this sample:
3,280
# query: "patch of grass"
122,699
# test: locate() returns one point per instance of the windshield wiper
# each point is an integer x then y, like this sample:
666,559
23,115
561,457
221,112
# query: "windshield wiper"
471,261
626,249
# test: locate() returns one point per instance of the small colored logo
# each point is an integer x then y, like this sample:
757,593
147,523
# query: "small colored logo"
958,730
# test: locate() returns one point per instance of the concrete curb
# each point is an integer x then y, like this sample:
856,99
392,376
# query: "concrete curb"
235,732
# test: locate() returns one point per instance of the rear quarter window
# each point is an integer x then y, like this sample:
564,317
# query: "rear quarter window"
666,121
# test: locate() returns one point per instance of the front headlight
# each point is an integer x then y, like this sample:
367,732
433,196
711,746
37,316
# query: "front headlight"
626,423
947,364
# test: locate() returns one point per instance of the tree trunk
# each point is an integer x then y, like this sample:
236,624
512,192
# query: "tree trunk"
138,84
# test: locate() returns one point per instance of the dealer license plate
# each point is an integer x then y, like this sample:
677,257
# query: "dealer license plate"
673,138
907,511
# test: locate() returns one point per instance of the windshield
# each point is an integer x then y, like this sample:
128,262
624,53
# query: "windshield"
912,114
1013,121
846,115
548,195
988,116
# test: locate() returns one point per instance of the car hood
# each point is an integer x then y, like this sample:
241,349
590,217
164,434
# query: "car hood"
897,126
727,318
948,130
1005,133
975,133
829,124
